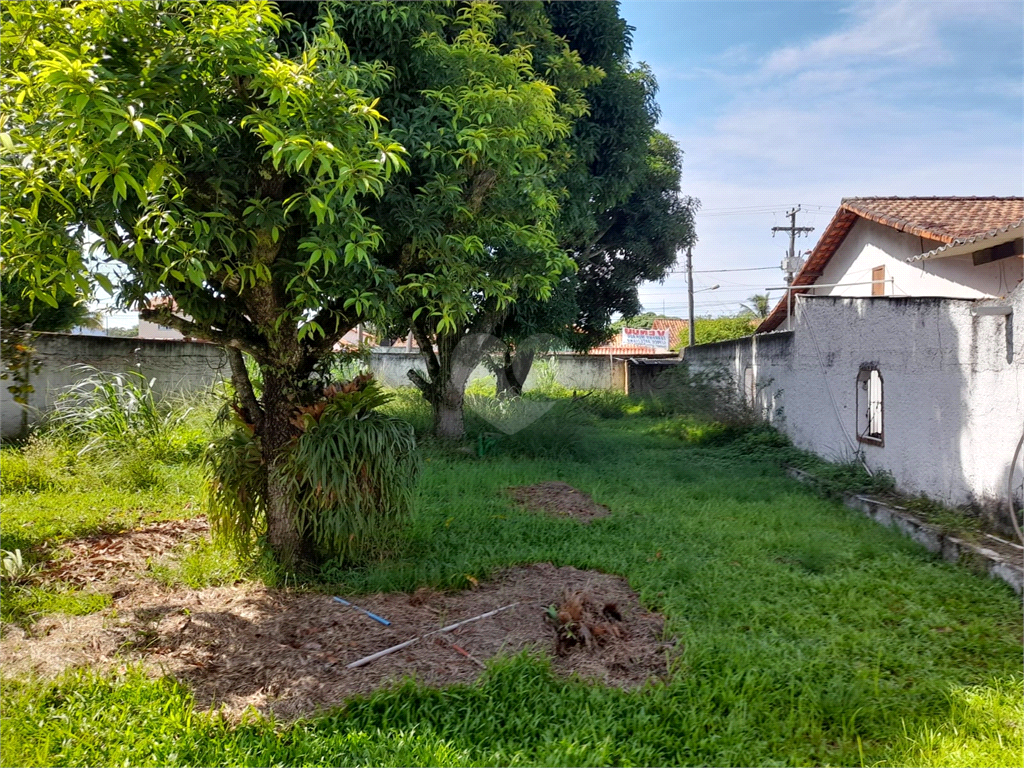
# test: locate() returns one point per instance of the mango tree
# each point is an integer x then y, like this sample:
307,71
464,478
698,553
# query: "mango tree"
470,229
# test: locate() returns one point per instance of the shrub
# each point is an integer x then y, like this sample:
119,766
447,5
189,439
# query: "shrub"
120,411
41,465
696,431
607,404
407,404
350,473
562,432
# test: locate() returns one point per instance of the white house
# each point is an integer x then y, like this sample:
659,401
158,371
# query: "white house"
902,348
950,247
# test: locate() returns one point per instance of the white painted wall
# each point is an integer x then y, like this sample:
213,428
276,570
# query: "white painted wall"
869,245
151,330
953,383
177,366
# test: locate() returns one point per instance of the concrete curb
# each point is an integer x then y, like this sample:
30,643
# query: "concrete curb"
932,538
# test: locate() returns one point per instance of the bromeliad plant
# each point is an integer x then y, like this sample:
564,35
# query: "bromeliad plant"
349,475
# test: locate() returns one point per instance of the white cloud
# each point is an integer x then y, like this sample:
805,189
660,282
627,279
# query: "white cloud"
881,30
881,106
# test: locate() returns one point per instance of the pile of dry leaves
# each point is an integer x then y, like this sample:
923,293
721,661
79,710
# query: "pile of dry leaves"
287,652
97,560
560,500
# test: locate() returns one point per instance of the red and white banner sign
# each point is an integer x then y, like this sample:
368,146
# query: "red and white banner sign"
645,337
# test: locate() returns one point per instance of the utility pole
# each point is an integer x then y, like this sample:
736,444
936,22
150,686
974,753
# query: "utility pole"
789,265
689,290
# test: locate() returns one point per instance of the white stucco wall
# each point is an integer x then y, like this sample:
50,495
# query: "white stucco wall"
869,245
953,394
151,330
176,367
583,372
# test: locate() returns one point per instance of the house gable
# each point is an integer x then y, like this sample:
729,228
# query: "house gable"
872,237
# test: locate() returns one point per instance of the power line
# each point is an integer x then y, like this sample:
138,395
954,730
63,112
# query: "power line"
709,271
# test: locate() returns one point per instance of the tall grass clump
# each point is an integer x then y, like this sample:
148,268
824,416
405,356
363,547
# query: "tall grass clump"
115,412
350,475
111,431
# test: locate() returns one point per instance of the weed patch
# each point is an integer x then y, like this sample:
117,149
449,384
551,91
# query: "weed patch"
808,634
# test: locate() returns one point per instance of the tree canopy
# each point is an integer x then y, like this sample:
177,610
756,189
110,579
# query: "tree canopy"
624,218
284,179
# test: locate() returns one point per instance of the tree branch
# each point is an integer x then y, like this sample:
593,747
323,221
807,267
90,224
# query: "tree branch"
419,332
243,386
164,316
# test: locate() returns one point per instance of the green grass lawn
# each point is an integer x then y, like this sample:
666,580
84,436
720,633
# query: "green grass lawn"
811,635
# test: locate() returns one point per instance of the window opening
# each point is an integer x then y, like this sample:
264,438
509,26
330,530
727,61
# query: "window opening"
869,406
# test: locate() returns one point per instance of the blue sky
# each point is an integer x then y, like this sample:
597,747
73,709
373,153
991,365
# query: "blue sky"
782,103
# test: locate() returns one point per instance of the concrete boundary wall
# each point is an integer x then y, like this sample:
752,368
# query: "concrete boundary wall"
176,366
952,388
580,372
183,366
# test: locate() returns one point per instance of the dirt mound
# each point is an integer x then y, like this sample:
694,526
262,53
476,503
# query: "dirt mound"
98,559
559,499
287,653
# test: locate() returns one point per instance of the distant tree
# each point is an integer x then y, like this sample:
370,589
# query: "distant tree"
470,230
645,320
19,312
711,329
130,332
759,305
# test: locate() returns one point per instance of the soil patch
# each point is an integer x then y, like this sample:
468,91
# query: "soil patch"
98,560
286,653
559,499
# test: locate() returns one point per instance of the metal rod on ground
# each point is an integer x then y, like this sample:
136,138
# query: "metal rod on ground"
373,657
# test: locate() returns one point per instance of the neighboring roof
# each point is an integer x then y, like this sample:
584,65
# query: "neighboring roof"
161,302
621,350
945,219
676,330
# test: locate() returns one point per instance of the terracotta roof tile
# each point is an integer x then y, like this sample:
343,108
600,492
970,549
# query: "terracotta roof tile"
939,218
676,329
619,350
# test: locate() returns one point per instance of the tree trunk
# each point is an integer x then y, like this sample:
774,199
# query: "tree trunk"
511,377
276,431
448,370
448,421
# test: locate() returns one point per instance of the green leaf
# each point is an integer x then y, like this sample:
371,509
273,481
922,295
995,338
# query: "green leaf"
104,282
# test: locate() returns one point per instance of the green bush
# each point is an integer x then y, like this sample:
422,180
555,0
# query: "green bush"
696,431
607,404
351,475
407,404
40,465
709,393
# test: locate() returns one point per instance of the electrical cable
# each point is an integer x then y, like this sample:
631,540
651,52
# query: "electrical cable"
1009,489
708,271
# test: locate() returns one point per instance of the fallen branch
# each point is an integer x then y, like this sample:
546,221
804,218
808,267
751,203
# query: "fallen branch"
468,655
373,657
